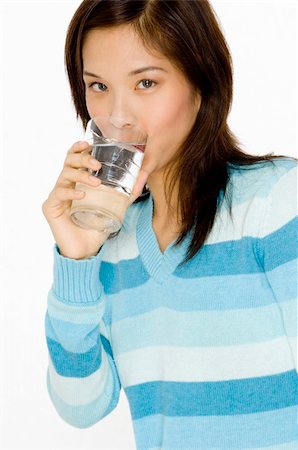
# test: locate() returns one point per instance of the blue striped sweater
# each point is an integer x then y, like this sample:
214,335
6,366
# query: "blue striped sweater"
205,352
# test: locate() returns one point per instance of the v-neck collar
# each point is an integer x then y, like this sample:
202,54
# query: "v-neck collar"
158,264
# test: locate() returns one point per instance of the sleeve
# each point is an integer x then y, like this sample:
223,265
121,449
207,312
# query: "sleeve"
278,251
82,379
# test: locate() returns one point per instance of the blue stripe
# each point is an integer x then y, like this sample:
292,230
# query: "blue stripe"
222,259
266,430
280,281
241,256
126,274
74,313
213,398
106,346
203,294
77,338
280,246
86,415
70,364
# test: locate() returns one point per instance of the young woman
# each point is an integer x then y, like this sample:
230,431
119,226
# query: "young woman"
192,306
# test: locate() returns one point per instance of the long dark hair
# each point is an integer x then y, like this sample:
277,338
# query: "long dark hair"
188,33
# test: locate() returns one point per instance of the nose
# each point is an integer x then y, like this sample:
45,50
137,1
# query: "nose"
121,111
120,122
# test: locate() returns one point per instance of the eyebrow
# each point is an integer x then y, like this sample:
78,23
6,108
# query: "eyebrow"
133,72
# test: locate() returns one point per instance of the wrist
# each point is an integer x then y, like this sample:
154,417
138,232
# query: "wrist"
76,255
76,281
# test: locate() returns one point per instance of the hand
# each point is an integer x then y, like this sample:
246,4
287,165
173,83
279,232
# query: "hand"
139,185
73,241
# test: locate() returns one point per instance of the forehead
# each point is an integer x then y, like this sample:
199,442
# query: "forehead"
118,47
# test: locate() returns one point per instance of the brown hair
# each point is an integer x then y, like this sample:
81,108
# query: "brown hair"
187,32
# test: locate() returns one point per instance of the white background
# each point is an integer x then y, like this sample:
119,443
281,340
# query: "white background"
38,125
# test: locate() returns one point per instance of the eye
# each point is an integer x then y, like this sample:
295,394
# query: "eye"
146,84
98,87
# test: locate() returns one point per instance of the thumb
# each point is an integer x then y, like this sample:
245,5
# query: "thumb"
139,185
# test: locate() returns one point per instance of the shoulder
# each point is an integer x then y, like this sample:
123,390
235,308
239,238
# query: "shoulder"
259,199
262,179
263,197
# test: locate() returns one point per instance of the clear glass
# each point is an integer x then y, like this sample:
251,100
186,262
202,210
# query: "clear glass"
120,150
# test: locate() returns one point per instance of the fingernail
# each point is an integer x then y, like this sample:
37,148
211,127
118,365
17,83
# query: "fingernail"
93,179
94,162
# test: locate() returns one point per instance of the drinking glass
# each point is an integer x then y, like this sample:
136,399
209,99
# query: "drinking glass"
120,150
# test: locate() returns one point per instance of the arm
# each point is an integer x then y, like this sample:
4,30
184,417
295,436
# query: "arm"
278,251
82,379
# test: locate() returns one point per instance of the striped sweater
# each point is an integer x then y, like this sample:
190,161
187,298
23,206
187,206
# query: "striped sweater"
205,352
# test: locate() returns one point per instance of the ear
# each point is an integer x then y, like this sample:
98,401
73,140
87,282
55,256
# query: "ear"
197,100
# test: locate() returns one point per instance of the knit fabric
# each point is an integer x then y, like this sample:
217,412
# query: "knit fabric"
206,352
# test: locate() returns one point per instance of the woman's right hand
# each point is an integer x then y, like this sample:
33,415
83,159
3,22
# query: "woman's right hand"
73,241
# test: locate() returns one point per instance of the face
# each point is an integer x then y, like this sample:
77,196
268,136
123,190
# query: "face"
133,86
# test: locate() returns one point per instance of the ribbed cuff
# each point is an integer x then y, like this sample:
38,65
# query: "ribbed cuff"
77,281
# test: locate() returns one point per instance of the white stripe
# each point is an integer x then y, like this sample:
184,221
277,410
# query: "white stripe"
284,194
247,221
293,342
123,248
80,391
73,313
204,364
248,216
293,445
104,331
287,446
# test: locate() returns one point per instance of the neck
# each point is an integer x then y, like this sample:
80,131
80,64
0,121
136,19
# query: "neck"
164,213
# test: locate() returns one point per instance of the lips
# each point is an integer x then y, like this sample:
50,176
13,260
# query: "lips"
140,147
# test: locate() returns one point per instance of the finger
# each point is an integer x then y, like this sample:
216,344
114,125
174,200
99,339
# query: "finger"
69,176
61,194
82,160
78,147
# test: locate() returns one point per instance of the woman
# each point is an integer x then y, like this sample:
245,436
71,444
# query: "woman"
191,308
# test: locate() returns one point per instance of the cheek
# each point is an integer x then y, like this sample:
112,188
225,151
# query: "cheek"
94,107
174,117
90,106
